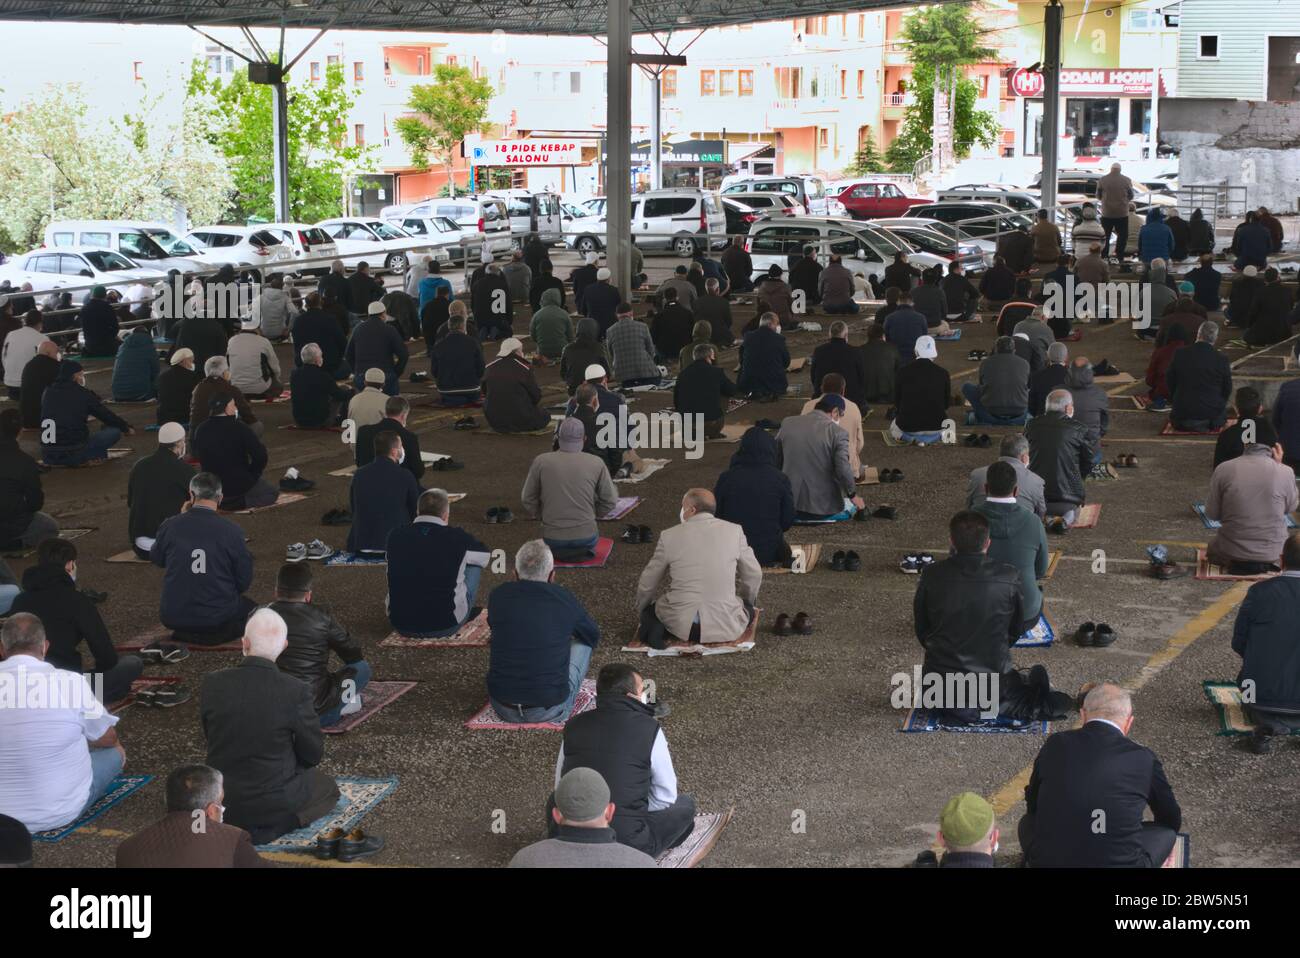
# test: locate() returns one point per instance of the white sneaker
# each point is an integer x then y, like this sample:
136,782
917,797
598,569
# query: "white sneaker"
295,553
351,708
317,550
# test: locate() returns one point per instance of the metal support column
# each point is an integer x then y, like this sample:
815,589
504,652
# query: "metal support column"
618,132
280,144
656,130
1051,102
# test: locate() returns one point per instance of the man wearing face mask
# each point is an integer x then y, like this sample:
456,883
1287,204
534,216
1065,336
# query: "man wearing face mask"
383,497
813,451
159,485
396,411
194,794
701,559
621,739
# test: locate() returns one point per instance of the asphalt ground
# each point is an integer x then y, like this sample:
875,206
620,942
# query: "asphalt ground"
798,735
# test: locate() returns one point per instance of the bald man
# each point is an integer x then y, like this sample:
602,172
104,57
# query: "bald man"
702,560
1088,791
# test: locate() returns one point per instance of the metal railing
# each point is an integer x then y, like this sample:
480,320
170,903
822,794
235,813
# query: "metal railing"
1217,201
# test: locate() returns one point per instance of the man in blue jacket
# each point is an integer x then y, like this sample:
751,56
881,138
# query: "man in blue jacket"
383,495
1155,239
433,571
1264,637
542,639
208,569
764,358
66,404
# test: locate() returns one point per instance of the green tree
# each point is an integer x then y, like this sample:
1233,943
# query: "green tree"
236,116
867,159
58,160
445,112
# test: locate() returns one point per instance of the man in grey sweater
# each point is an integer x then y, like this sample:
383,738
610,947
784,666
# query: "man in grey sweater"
569,490
813,451
583,811
1001,398
1091,406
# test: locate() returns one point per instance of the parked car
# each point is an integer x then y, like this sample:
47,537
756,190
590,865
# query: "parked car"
531,212
808,191
382,245
954,235
868,199
773,204
980,220
243,247
1022,201
442,232
682,219
151,244
864,248
1085,182
923,238
73,266
311,247
482,214
739,216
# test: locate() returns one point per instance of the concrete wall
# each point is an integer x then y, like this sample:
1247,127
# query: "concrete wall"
1249,143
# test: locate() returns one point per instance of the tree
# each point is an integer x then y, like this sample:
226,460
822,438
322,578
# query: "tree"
236,116
58,161
446,111
867,159
941,41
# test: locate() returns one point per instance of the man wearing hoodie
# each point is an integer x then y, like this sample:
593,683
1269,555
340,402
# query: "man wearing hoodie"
1181,232
1088,230
756,495
1252,243
65,408
1091,404
1016,537
519,277
135,370
1200,236
70,618
1114,190
585,350
551,327
1206,282
1155,239
1001,398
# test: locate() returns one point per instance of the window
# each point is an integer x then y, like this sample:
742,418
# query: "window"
65,239
537,81
726,82
452,59
669,206
333,60
359,134
358,71
214,64
419,64
44,264
866,191
862,78
92,239
135,71
784,239
668,83
555,82
1208,46
862,26
708,83
315,71
823,138
1146,20
1283,68
575,81
746,78
844,83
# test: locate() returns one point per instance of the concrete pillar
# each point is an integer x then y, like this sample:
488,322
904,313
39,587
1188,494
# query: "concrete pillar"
618,134
280,145
656,130
1051,102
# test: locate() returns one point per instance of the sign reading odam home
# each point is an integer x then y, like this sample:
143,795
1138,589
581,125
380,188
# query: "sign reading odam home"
527,153
1099,82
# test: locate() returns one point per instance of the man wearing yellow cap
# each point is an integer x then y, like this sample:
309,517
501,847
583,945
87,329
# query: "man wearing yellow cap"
968,831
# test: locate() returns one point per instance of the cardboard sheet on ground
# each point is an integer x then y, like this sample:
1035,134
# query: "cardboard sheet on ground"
1119,379
283,499
651,466
677,647
1087,517
1207,570
806,558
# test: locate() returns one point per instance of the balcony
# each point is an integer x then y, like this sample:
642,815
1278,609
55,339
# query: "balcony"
895,55
894,105
797,110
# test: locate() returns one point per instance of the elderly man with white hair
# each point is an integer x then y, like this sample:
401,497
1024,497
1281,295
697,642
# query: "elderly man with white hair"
542,639
216,383
1060,453
318,401
1089,789
335,283
582,277
263,736
1200,383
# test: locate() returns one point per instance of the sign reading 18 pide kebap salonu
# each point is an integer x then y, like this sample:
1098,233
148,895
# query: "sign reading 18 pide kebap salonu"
527,153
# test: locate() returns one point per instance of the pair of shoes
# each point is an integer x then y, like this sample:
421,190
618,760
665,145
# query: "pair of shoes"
1128,460
419,377
1056,525
1105,368
445,465
164,698
913,563
891,475
637,534
1098,636
347,847
313,550
801,624
624,471
1162,567
846,561
1103,470
296,484
885,512
337,517
94,595
982,441
164,653
465,422
975,355
500,514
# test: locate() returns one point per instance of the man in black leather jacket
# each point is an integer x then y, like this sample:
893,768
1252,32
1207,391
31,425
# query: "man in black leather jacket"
313,633
968,613
1059,452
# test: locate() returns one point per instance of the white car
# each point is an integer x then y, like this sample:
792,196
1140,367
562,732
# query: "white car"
138,240
310,247
75,266
865,248
444,233
243,247
986,248
381,245
483,214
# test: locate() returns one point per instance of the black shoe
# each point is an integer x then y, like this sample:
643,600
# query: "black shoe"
886,512
645,534
852,562
782,625
299,484
1104,636
1086,634
837,561
802,623
631,534
337,517
465,422
327,843
1258,743
165,697
94,595
500,514
445,465
357,844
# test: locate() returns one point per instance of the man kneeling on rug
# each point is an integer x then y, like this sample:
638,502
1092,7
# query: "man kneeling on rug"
542,640
621,740
969,611
1250,496
702,559
1264,637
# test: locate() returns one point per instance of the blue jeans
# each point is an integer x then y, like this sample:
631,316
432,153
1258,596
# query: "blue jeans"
105,765
359,682
579,659
96,447
390,382
980,415
473,573
847,308
7,595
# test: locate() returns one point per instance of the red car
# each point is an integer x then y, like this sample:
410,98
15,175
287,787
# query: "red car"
871,199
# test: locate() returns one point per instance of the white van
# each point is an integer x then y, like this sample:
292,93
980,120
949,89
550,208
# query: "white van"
529,212
485,215
808,191
682,219
148,244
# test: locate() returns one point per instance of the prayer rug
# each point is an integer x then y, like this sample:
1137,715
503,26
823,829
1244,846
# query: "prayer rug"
129,402
283,397
1226,697
1169,430
797,364
679,648
122,787
473,634
375,696
950,337
665,387
112,454
1087,517
345,472
140,685
544,431
924,720
127,556
1180,856
708,826
1041,634
356,558
284,499
1205,569
160,633
621,508
294,425
487,718
888,436
650,467
603,548
806,559
1199,509
357,796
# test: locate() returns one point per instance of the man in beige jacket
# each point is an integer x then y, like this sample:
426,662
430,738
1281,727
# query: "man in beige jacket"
702,559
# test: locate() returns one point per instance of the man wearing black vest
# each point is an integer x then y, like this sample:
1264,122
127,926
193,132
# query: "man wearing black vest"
621,740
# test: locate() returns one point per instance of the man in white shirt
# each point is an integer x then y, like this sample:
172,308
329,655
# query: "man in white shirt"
19,348
55,761
254,368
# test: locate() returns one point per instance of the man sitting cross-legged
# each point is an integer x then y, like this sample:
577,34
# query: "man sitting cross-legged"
383,496
581,816
1096,776
1016,537
621,740
569,490
764,357
193,833
1060,453
1264,637
850,420
231,451
701,388
542,640
58,759
968,612
318,400
1013,450
813,451
208,568
1001,398
433,571
159,485
922,393
702,559
1250,496
313,634
755,494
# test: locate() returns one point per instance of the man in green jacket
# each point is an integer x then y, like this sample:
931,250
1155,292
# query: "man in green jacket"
552,328
1017,537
